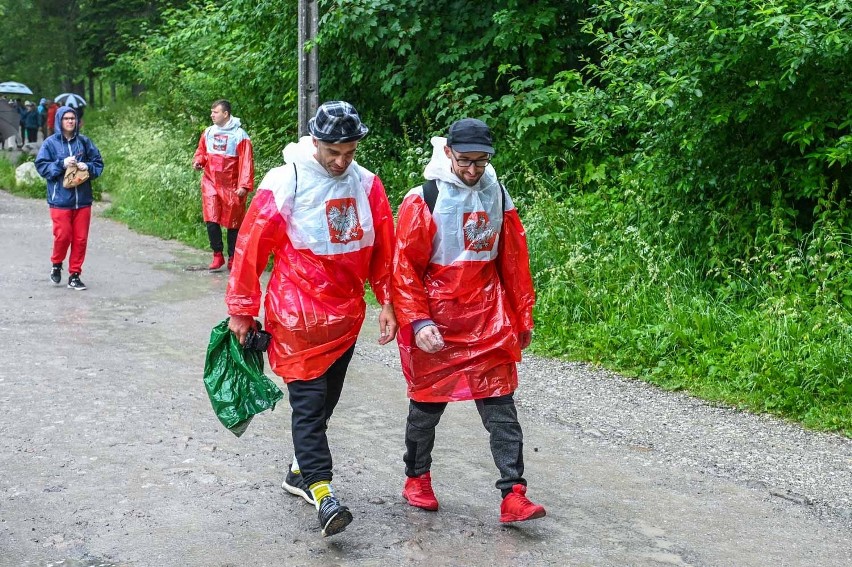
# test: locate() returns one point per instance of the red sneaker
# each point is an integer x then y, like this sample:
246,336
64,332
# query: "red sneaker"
218,261
418,492
516,507
230,262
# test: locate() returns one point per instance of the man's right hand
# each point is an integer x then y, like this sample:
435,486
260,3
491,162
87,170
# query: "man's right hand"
429,339
70,160
240,325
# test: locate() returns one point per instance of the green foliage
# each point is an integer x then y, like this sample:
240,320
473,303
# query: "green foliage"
111,26
36,43
416,62
718,104
223,51
148,173
7,174
625,293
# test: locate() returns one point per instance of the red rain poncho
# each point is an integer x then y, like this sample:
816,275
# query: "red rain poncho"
226,154
329,235
465,266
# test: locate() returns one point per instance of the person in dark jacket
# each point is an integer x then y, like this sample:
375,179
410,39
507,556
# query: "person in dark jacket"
32,122
70,209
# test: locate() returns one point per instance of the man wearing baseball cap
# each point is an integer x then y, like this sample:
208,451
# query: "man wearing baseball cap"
463,295
329,226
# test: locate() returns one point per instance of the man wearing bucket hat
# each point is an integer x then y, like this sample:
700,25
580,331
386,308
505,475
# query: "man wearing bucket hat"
463,294
327,222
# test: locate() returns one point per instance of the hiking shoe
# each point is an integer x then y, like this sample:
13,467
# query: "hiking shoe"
56,274
516,507
295,484
218,261
333,516
74,282
418,492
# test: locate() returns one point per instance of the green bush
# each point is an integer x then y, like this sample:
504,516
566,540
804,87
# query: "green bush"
623,292
148,173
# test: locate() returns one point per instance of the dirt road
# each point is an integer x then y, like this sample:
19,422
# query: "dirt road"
110,453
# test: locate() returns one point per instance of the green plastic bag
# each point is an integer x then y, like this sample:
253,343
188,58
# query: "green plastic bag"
235,382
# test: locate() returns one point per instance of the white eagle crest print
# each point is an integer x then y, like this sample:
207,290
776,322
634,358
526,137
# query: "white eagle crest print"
479,234
343,223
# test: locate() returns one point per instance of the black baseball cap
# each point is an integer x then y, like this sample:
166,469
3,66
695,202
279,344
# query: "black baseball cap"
470,135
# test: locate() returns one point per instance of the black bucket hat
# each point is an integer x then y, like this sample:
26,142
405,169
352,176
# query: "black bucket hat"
470,135
337,122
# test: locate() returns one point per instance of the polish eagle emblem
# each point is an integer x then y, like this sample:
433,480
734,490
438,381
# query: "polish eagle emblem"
343,221
479,235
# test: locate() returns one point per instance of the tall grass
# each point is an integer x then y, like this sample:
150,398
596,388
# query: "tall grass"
148,174
631,299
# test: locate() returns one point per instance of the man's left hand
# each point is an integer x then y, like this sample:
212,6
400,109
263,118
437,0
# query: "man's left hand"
525,338
387,324
242,192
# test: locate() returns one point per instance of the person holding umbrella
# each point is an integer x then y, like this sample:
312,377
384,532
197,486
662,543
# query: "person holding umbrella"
76,102
70,208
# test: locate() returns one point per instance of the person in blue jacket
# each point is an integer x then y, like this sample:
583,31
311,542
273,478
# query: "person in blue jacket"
70,209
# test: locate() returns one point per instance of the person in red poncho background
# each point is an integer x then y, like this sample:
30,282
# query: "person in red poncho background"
329,225
225,154
463,296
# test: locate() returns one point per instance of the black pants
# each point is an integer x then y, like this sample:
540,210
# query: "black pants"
214,233
312,403
500,418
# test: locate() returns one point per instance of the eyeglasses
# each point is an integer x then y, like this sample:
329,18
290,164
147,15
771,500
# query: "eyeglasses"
468,162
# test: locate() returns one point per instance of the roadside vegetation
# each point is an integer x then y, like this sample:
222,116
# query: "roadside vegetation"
9,182
682,168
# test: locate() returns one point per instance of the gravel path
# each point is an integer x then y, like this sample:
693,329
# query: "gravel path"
655,427
776,458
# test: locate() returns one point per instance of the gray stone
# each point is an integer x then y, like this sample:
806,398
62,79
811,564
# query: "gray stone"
26,174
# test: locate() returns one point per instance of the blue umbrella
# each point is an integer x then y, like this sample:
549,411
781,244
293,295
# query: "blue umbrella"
70,99
11,87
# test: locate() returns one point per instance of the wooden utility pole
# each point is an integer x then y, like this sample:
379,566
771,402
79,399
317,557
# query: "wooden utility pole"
308,64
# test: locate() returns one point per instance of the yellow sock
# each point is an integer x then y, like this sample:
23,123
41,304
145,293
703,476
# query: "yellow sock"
320,490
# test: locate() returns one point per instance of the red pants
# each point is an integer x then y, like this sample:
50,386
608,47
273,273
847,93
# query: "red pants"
70,228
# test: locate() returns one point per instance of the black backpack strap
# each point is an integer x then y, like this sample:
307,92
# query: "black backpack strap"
295,179
430,194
